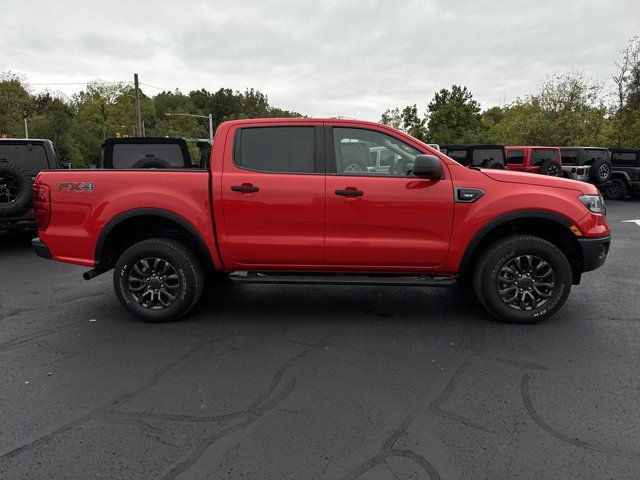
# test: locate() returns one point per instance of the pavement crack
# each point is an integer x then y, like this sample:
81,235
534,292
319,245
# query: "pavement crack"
525,390
388,450
110,406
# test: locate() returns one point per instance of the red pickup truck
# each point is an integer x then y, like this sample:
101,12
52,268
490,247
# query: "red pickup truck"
282,202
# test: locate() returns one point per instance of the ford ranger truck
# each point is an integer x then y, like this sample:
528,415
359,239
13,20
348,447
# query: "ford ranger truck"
278,203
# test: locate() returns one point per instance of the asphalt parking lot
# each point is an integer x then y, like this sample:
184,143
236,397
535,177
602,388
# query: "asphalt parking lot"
305,382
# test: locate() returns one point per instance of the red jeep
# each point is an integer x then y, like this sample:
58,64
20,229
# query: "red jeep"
542,160
280,203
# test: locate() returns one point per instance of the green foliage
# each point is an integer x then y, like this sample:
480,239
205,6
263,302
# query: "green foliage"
454,117
406,120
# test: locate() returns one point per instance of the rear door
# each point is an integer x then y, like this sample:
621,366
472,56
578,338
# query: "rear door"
273,196
378,220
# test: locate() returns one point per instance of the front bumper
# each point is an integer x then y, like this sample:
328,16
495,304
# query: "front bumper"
594,252
41,248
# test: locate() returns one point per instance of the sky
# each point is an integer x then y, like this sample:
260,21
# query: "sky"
320,58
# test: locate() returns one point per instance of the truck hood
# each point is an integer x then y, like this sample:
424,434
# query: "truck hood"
537,179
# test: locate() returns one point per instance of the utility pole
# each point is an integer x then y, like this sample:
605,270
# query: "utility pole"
138,114
26,128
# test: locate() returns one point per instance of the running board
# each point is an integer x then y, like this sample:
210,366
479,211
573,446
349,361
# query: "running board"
289,278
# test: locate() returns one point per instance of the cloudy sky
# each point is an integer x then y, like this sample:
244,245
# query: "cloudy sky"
321,58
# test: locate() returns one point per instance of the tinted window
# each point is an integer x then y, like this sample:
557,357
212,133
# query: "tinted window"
125,155
31,158
354,147
515,157
623,159
277,149
539,156
458,155
590,155
569,157
482,156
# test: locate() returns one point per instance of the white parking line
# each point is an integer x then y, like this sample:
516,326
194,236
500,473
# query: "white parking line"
637,222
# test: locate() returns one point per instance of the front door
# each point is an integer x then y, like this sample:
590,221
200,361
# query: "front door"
383,218
273,198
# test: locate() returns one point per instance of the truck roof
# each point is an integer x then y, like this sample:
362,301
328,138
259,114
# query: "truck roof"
528,146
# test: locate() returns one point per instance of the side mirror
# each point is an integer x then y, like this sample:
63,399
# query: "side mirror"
427,166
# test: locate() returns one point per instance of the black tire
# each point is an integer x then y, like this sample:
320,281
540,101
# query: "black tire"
15,190
600,171
501,257
551,168
151,163
616,189
494,165
186,287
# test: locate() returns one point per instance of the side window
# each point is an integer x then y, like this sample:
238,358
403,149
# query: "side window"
515,157
459,156
591,155
538,157
483,156
354,150
276,149
623,159
569,157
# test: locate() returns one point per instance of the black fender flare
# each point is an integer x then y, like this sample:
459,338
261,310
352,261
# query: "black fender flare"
157,212
501,220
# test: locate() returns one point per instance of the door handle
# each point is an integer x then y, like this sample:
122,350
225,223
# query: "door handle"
244,188
350,193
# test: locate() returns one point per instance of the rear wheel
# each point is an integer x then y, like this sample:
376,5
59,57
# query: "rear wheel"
551,168
522,279
158,280
616,189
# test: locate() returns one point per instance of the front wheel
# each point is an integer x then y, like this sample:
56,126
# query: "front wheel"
522,279
158,280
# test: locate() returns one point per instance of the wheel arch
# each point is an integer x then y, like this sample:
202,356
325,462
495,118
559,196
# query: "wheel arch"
133,225
550,226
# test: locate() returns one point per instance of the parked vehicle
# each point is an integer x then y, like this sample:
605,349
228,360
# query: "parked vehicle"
20,162
280,205
145,152
625,176
435,146
542,160
587,164
481,155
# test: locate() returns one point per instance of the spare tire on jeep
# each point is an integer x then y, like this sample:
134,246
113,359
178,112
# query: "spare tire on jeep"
600,170
551,168
15,190
151,163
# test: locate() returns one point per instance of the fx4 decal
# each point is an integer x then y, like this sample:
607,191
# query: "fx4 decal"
74,187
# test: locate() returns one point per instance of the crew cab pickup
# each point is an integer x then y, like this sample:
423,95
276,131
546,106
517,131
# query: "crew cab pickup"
279,204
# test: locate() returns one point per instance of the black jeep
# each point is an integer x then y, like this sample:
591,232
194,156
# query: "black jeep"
625,176
20,161
476,155
145,152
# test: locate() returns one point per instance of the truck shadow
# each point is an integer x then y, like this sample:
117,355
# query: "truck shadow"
11,242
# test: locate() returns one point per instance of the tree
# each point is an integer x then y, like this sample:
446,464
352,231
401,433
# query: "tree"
406,120
15,103
454,116
625,124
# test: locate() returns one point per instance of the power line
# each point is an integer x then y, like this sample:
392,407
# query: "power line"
153,86
74,83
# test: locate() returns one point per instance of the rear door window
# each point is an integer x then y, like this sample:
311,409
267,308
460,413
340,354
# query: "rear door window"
483,156
277,149
458,155
569,157
539,156
125,155
515,157
31,158
623,159
590,155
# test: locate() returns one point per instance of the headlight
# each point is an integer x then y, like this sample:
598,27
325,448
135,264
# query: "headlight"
594,203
